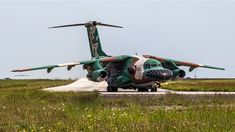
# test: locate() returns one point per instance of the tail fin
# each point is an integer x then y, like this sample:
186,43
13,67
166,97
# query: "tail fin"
93,36
94,42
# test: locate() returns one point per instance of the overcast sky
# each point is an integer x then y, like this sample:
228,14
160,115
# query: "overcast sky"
196,31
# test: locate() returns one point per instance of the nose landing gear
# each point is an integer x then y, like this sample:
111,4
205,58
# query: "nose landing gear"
155,86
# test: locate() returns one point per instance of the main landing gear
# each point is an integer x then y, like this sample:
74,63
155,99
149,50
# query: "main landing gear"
112,89
154,88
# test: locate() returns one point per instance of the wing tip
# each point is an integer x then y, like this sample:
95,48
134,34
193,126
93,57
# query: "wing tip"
212,67
17,70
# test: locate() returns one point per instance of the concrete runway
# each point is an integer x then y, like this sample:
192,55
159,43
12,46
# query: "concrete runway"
85,85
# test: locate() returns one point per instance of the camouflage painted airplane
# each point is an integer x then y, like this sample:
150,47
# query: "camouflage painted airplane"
145,72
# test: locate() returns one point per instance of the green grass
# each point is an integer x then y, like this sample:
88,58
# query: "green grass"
226,85
23,107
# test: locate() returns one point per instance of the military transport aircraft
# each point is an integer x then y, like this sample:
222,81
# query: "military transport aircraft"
141,72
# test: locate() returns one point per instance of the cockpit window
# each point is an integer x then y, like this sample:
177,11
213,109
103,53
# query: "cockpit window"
147,66
154,65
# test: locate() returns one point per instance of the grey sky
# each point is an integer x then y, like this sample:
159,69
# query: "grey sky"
195,31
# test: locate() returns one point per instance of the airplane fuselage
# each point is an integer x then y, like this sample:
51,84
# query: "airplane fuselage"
137,72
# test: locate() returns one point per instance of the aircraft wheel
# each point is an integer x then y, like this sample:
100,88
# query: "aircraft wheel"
153,89
108,89
112,89
155,86
142,90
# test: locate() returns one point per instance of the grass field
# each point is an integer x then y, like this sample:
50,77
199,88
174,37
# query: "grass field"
226,85
23,107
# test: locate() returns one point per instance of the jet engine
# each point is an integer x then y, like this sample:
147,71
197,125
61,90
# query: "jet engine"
97,75
96,72
179,73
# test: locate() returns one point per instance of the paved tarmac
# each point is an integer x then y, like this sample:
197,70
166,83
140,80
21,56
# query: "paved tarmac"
85,85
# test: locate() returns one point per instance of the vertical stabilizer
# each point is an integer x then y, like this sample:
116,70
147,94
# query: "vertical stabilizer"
94,42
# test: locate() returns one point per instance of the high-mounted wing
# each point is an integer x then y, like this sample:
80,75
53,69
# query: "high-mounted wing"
182,63
72,64
49,67
114,58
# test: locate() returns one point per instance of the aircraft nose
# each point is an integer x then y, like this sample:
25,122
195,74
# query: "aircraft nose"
159,75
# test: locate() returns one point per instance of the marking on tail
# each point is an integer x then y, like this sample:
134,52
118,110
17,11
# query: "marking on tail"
94,41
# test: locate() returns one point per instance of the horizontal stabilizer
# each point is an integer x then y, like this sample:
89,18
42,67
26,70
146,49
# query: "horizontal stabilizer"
91,23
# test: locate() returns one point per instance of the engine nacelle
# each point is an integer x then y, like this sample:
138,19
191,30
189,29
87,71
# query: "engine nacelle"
179,73
97,75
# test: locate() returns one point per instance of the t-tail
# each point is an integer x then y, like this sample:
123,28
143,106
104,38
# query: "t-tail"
93,36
